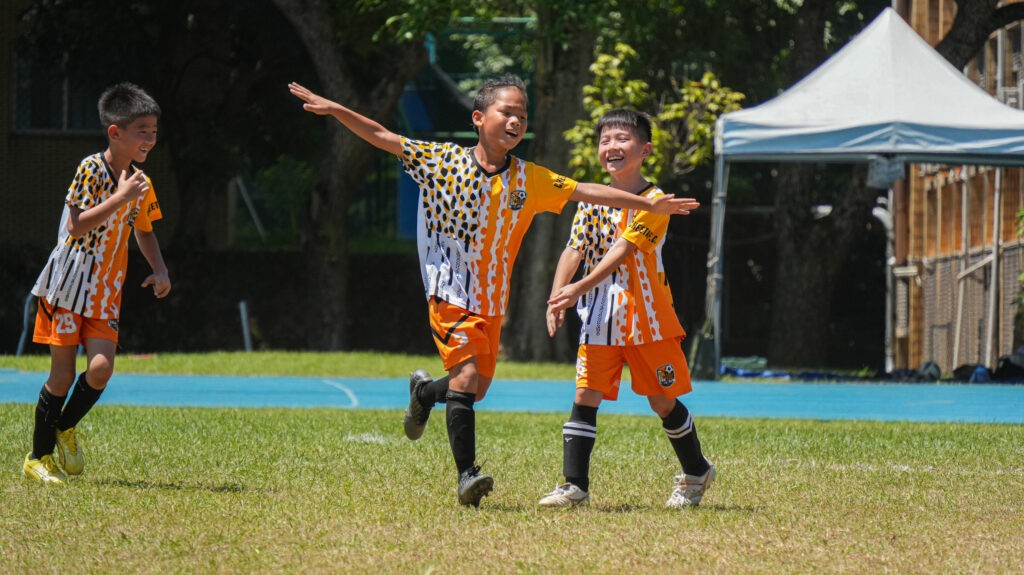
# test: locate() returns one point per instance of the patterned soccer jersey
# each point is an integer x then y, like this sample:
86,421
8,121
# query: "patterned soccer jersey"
471,223
85,274
633,305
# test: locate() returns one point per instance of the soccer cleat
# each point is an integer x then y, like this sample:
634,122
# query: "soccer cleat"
69,452
44,470
565,495
416,414
689,489
473,486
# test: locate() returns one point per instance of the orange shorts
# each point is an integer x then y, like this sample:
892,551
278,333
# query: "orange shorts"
460,335
657,368
58,326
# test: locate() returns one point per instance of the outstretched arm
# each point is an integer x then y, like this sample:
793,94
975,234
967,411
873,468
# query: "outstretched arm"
566,268
567,295
360,125
609,196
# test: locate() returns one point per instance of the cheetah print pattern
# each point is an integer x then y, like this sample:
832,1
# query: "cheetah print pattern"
471,223
85,274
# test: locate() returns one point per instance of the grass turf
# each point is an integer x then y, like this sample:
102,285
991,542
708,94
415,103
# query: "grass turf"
331,491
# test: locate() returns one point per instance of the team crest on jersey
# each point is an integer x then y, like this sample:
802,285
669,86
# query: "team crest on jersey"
517,199
666,375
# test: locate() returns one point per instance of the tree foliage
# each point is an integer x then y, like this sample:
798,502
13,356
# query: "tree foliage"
683,116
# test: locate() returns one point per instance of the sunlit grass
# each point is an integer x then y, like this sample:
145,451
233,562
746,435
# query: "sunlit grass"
338,491
188,490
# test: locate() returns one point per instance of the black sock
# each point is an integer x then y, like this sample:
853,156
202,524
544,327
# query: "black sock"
682,433
434,392
44,436
578,437
82,399
461,421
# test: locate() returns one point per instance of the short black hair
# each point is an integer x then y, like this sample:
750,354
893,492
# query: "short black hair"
637,122
488,93
121,104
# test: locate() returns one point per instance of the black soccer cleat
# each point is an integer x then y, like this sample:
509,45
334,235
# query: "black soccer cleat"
416,414
474,486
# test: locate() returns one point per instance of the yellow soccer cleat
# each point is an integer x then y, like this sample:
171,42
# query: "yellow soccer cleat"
44,470
69,453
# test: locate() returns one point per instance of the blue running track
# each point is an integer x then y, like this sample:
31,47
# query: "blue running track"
826,401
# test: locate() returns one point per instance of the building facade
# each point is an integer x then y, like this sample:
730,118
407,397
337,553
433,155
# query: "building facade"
958,255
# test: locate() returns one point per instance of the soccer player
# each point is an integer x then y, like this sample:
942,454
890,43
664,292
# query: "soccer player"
79,289
627,316
475,206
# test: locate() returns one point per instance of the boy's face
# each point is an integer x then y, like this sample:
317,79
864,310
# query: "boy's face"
503,123
136,139
621,151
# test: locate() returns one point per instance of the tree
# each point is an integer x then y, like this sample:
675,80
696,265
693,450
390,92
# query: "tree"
975,21
571,35
564,51
812,251
363,57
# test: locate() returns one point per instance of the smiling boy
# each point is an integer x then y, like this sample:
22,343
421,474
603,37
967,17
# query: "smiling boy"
79,289
627,318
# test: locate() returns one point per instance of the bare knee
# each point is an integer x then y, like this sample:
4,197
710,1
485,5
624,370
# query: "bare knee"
99,372
662,405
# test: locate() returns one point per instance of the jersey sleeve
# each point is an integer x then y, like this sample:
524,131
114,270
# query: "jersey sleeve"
550,190
420,158
81,192
647,230
149,210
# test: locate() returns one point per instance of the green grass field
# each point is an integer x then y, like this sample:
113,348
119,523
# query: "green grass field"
335,491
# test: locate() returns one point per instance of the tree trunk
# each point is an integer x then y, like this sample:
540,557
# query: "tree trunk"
345,162
562,70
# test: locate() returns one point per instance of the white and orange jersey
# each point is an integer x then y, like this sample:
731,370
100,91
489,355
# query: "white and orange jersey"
633,305
85,274
471,223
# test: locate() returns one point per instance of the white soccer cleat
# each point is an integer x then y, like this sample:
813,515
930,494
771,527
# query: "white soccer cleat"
566,496
689,489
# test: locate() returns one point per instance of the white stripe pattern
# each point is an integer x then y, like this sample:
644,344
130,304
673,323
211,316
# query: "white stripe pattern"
579,429
682,431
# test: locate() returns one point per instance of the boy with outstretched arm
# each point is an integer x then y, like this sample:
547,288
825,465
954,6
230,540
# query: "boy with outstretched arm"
475,206
625,307
79,289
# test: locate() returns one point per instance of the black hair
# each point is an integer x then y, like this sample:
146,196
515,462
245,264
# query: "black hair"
488,93
637,122
121,104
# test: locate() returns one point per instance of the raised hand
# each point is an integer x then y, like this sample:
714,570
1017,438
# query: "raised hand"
313,103
132,187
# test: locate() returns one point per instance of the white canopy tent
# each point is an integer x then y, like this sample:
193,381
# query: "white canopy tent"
886,98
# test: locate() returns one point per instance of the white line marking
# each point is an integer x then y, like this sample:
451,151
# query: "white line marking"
351,396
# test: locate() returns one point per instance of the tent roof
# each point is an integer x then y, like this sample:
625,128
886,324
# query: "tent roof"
887,93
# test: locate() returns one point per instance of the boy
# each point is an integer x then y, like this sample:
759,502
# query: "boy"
79,290
627,318
475,205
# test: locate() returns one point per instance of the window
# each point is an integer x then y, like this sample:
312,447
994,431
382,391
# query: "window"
46,98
